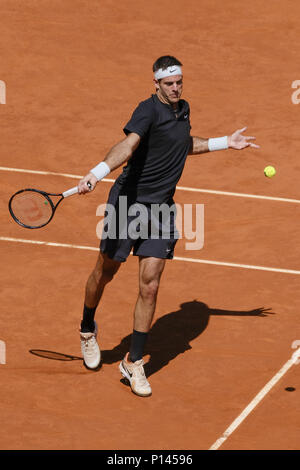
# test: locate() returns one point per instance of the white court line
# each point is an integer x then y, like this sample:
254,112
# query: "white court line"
180,188
176,258
237,265
39,242
52,173
295,358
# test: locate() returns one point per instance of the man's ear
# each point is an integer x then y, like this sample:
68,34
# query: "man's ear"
156,84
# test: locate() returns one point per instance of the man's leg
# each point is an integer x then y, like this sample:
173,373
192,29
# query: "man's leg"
103,273
132,365
150,273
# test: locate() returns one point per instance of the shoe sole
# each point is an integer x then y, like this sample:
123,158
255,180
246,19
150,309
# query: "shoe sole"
128,378
92,368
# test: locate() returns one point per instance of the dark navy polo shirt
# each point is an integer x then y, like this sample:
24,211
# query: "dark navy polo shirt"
156,165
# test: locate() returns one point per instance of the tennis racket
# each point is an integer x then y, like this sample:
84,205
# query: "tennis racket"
33,208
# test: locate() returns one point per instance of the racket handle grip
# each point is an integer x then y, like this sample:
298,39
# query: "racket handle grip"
70,192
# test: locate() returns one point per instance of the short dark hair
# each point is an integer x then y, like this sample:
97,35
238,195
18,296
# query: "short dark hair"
164,62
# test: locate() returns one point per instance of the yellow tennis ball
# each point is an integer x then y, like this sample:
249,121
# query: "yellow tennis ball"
269,171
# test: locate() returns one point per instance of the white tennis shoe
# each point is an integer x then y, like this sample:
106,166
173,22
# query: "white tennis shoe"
134,373
90,349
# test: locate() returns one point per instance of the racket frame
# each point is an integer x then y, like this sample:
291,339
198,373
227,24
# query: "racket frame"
43,193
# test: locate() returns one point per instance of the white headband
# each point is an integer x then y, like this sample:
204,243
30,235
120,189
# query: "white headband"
173,70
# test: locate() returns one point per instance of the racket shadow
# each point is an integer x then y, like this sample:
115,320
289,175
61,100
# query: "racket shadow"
57,356
54,356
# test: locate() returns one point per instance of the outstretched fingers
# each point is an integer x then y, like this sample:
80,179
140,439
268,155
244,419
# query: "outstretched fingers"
255,146
251,144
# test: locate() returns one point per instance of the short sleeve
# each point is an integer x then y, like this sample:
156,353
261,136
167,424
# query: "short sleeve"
141,119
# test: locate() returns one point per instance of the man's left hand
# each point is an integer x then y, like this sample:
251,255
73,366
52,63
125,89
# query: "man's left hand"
238,141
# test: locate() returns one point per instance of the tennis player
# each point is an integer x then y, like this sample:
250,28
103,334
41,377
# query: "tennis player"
156,144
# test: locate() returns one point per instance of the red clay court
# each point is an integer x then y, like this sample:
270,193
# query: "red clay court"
74,71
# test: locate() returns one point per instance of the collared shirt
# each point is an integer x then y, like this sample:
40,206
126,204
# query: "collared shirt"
156,165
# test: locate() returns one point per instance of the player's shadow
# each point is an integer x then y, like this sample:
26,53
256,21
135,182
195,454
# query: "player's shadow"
171,334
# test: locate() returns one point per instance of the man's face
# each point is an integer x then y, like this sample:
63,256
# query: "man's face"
169,89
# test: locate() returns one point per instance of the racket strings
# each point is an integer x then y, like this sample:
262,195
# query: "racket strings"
31,208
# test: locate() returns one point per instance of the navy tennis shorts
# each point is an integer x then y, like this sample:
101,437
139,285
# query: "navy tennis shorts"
147,229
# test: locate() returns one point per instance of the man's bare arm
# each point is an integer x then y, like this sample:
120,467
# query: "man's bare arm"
198,145
117,156
235,141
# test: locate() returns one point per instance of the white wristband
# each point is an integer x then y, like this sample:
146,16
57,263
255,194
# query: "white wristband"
101,170
219,143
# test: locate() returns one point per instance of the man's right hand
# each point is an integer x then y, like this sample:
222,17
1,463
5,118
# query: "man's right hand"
83,186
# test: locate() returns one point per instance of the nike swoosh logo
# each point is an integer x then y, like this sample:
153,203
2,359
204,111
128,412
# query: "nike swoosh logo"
128,372
171,71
